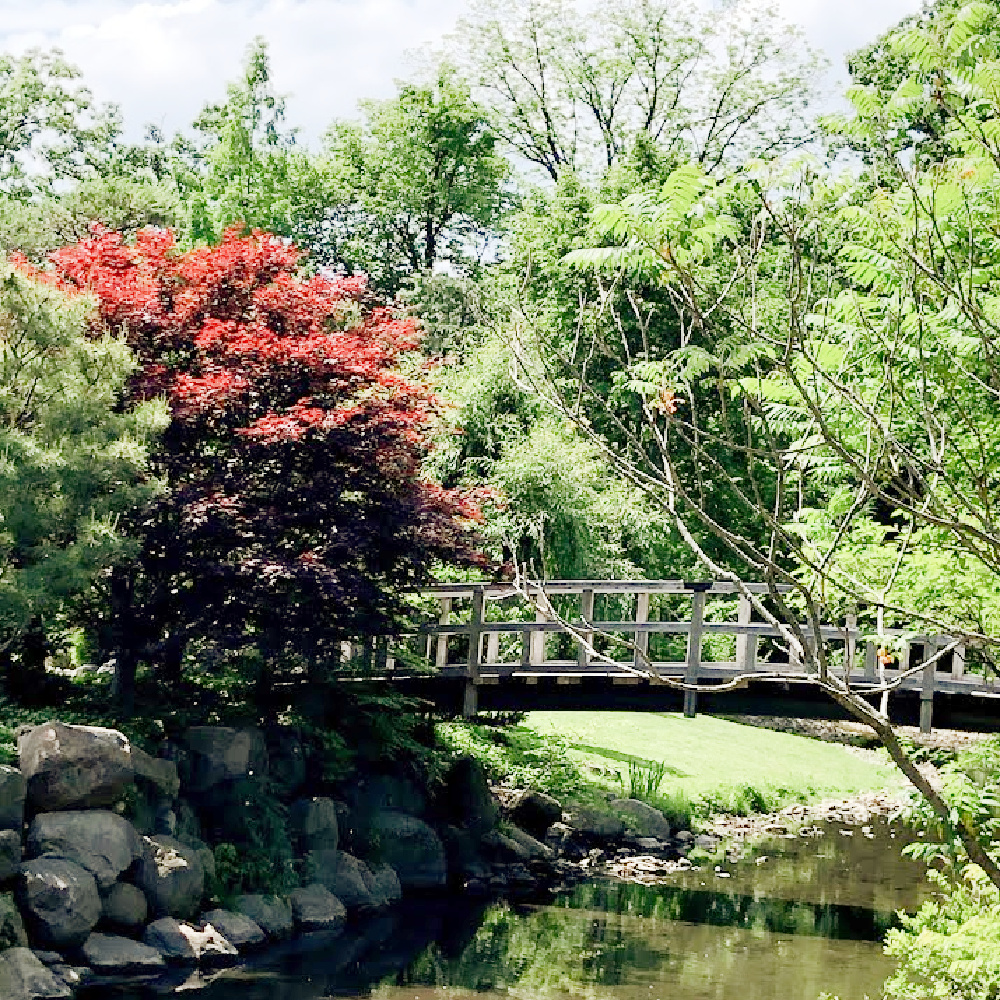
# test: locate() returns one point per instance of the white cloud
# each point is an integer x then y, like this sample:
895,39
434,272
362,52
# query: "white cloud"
162,60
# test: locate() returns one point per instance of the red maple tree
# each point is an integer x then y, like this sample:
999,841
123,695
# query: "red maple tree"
296,510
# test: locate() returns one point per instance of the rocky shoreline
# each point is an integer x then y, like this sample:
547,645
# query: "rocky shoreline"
116,865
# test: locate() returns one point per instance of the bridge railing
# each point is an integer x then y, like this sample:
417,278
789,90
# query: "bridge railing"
480,661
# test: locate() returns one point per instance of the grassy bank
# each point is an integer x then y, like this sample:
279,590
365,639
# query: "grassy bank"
690,768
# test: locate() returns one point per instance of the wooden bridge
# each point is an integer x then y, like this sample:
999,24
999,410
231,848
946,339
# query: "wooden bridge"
477,659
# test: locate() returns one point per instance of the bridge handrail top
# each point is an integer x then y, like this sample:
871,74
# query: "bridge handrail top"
502,589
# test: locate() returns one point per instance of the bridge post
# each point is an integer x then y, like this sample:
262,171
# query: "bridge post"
958,662
928,677
587,615
641,638
470,704
850,646
746,644
441,653
870,654
694,652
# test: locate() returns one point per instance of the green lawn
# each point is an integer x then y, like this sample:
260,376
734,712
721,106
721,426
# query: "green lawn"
708,758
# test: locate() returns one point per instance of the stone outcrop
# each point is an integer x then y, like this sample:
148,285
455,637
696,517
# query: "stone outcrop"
181,943
74,767
315,908
466,799
349,879
313,824
24,977
125,907
535,812
13,790
110,955
220,755
10,854
239,930
172,876
272,914
410,847
648,821
102,842
61,901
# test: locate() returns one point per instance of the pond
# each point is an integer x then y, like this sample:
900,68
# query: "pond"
802,916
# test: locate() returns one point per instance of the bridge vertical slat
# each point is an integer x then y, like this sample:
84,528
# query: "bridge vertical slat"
492,641
870,655
927,682
641,638
538,637
587,615
470,705
958,662
850,645
441,654
693,660
746,645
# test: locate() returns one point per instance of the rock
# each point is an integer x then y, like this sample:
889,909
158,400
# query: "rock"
503,848
387,889
158,772
102,842
181,943
466,799
71,976
535,812
172,877
349,879
74,767
706,842
13,789
411,848
595,825
286,761
313,822
110,955
315,908
239,930
532,848
12,932
385,792
10,854
220,755
558,836
24,977
125,907
648,821
61,901
271,914
47,957
684,836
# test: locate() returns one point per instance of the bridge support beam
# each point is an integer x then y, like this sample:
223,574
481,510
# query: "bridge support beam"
693,660
927,688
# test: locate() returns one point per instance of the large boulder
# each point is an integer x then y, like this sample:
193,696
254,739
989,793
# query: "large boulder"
410,847
102,842
381,792
349,879
594,825
313,824
157,772
172,876
239,930
387,889
24,977
286,761
272,914
315,908
13,789
181,943
61,901
643,817
532,849
218,755
10,854
109,955
535,811
466,799
74,767
125,907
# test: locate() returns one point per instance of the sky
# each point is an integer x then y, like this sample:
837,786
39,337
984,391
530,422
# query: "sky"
161,61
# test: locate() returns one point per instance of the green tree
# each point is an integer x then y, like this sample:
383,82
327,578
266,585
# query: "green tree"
420,180
74,464
50,128
568,93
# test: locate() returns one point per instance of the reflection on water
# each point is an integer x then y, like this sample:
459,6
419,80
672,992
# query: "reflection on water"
802,922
